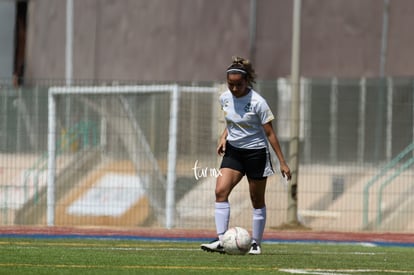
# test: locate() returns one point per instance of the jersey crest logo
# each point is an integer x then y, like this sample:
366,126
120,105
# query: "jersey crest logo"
248,107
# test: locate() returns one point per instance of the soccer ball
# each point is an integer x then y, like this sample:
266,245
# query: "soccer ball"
236,241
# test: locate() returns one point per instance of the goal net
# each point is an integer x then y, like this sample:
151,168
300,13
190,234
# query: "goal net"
115,153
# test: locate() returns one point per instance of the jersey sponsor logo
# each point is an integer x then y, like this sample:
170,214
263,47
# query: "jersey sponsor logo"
241,125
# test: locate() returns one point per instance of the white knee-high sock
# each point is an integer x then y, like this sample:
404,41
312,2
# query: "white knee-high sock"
222,216
259,222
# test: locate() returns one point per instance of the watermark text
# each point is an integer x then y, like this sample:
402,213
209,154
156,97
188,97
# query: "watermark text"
204,172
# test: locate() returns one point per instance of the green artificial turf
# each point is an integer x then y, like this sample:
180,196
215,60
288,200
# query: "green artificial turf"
89,256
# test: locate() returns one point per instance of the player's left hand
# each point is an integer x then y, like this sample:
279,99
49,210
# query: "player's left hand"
285,170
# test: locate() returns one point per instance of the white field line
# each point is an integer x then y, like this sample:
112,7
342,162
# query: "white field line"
118,248
311,271
148,248
154,247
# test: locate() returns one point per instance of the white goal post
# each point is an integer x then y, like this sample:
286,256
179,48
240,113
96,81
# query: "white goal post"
174,90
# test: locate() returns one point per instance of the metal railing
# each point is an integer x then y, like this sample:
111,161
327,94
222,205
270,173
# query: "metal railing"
83,133
380,175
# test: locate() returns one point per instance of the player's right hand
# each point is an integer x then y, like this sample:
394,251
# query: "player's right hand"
221,148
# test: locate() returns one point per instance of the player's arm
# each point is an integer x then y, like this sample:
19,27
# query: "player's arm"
274,142
221,147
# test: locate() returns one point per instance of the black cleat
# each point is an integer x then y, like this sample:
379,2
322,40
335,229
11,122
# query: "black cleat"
214,246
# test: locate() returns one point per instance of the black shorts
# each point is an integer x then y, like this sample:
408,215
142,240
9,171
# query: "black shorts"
254,163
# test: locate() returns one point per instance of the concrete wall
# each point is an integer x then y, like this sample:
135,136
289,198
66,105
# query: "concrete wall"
193,40
7,24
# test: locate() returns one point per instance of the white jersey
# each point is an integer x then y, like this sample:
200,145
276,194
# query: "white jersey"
244,117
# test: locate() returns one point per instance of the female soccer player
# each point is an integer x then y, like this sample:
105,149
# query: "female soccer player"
245,151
